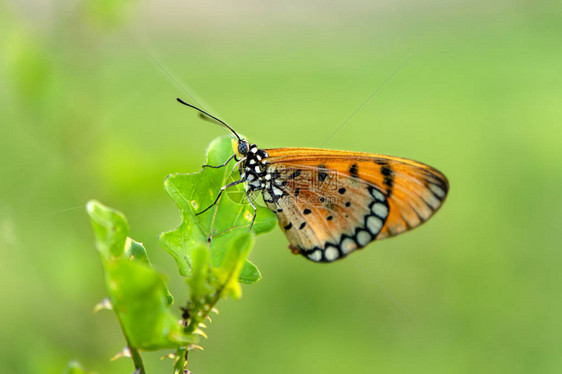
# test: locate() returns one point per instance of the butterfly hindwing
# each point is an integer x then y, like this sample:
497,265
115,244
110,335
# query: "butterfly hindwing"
325,217
411,191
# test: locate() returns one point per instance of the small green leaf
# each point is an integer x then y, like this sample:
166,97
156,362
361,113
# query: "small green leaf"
138,294
250,274
228,272
199,280
110,228
141,301
136,252
194,192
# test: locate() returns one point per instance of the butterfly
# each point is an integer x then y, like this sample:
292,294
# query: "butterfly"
331,203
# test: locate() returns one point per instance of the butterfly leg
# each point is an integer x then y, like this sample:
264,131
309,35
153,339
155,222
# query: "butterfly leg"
254,207
223,165
219,195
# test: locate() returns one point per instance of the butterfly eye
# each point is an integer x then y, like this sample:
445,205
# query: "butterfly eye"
243,147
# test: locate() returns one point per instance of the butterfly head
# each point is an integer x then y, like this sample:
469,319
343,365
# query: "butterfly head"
240,147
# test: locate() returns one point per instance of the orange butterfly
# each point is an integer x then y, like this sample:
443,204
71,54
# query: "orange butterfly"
330,203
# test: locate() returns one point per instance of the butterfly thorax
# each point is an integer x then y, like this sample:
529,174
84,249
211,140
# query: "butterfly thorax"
255,171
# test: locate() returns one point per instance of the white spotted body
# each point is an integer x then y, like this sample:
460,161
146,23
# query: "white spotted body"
258,177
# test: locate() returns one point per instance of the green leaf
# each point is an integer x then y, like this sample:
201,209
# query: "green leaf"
199,282
138,294
250,274
135,251
141,301
228,272
231,216
110,228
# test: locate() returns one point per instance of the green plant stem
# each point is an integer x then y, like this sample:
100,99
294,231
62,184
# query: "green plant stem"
137,359
180,362
194,324
135,354
196,321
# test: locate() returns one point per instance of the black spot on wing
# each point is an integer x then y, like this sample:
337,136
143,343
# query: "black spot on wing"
389,183
342,191
302,225
388,180
295,174
322,175
307,211
288,227
354,171
387,171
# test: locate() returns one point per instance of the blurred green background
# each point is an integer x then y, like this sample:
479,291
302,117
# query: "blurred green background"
86,112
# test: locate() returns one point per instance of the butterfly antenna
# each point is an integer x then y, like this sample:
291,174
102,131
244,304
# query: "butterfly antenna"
213,117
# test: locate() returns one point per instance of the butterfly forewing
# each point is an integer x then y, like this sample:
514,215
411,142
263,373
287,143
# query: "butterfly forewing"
333,202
